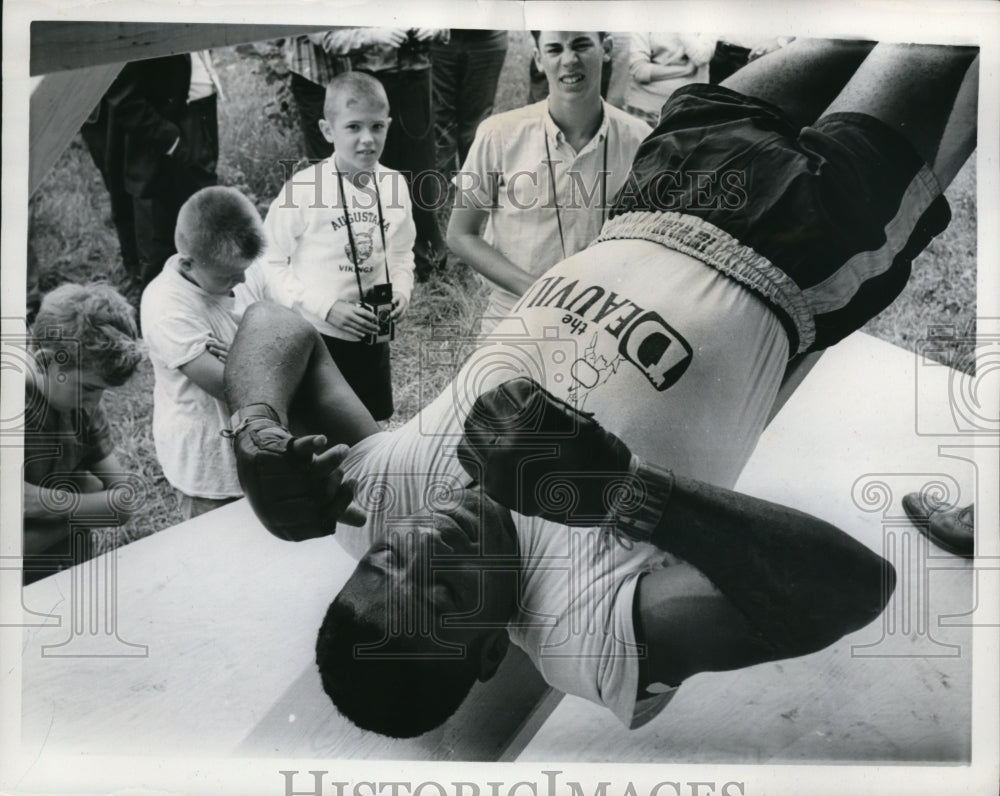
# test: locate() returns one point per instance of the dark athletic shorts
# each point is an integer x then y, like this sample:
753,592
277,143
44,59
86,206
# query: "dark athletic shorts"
821,222
367,369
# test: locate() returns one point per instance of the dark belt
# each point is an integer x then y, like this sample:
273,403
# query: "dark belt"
732,50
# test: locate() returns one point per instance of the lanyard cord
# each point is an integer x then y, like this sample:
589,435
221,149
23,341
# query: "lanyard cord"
350,231
555,194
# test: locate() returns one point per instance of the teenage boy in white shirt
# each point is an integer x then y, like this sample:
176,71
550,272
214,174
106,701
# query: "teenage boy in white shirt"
541,177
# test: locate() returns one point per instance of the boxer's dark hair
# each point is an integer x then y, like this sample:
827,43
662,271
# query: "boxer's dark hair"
392,695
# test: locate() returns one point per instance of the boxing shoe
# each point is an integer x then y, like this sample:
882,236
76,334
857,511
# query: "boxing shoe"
951,528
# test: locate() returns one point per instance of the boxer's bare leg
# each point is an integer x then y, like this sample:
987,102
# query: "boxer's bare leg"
913,88
278,359
803,78
959,138
928,92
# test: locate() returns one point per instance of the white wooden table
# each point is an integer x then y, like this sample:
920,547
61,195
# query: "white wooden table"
199,640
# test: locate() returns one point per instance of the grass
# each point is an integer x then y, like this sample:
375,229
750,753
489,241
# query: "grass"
74,241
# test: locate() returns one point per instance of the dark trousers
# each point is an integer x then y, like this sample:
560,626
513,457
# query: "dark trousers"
367,369
726,59
145,226
465,74
122,214
410,149
309,98
156,216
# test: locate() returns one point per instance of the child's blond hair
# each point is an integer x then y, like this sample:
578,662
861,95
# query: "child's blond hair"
353,85
89,326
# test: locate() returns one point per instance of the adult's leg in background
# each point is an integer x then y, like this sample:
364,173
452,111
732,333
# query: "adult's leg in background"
477,91
410,149
309,98
95,135
155,218
448,70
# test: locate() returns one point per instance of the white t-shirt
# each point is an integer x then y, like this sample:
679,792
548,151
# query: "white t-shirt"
309,261
252,289
678,360
575,621
178,317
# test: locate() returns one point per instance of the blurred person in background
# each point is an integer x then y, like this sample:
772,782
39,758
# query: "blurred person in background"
466,70
659,64
154,137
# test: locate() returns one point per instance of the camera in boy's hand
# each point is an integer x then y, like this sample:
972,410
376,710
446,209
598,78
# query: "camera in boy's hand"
415,45
378,299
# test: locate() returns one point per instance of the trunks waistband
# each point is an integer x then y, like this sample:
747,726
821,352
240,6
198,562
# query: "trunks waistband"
707,243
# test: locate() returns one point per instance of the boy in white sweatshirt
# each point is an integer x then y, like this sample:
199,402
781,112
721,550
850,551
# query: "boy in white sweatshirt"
339,229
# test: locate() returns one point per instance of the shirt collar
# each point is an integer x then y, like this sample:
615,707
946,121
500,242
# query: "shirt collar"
552,129
331,163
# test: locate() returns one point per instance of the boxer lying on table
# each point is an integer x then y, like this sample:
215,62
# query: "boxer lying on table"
579,503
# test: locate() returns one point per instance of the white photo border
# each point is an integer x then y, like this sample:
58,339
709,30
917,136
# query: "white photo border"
937,22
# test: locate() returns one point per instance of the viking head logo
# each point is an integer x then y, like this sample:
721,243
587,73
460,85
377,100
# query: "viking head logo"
363,242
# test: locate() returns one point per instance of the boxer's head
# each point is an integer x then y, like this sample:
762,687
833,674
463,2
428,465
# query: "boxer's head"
422,618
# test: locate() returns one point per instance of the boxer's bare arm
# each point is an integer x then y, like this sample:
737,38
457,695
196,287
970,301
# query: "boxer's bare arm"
760,581
774,583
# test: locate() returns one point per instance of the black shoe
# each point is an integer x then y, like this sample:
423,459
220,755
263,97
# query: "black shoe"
950,527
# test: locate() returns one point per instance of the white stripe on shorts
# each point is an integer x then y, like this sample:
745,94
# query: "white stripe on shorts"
836,291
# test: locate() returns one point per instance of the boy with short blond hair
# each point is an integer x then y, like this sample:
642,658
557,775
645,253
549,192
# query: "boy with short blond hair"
339,229
189,319
84,341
